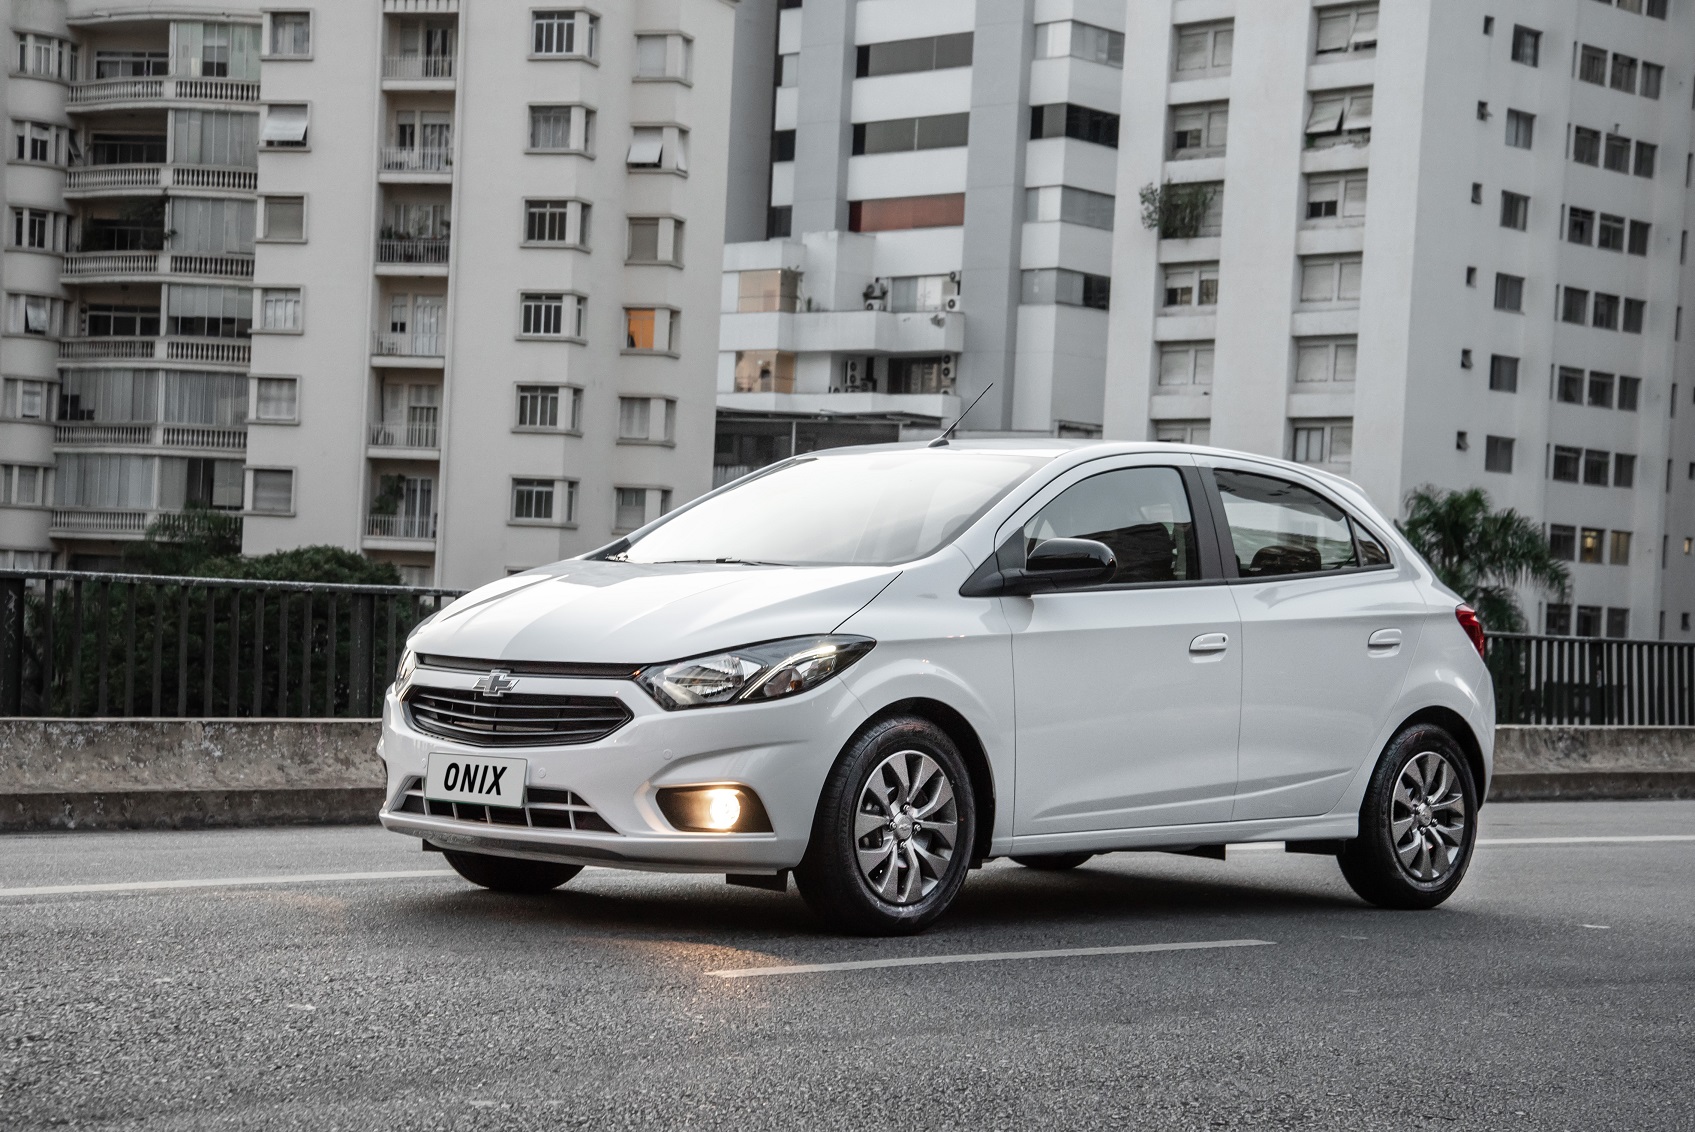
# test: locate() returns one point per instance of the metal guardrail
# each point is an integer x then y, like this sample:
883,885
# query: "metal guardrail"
84,644
1588,680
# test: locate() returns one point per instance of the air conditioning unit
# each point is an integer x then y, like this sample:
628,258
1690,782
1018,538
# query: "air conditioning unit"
952,303
953,277
876,304
947,367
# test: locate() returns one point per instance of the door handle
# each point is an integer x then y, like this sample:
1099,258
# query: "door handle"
1384,639
1210,642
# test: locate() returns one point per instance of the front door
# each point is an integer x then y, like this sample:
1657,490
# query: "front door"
1329,627
1127,693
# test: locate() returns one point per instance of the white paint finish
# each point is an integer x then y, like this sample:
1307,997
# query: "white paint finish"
789,30
985,957
880,21
925,172
782,182
1079,248
910,95
1078,81
1066,161
787,111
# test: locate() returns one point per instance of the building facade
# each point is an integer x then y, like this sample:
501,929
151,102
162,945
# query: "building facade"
454,303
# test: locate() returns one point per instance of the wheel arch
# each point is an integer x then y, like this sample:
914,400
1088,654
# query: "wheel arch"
971,749
1455,724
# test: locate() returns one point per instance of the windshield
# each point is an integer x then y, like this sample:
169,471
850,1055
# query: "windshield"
861,509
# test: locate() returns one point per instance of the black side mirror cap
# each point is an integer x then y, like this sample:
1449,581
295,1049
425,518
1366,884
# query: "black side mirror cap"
1054,564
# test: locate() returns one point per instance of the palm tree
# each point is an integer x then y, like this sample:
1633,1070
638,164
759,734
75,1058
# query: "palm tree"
1480,553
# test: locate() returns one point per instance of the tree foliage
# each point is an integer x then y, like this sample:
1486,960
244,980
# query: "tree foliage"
1177,211
1482,554
205,543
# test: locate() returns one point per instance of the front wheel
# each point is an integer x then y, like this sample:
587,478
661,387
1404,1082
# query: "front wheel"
1418,823
510,874
892,839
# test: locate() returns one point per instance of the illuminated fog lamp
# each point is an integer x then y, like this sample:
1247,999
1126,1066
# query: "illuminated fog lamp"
713,809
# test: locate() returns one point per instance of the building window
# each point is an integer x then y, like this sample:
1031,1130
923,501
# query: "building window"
1183,432
1069,206
1629,393
1515,211
1610,233
889,214
663,148
1596,467
37,229
765,371
285,126
1569,388
273,491
1503,373
1527,46
763,292
665,57
1600,390
1592,66
1574,305
1336,198
276,399
629,508
533,499
1590,543
783,145
1645,157
564,33
23,400
47,57
35,314
1050,285
1509,292
1331,279
1340,118
551,315
291,35
284,217
903,135
1635,312
1562,542
1585,146
1326,359
1497,454
1653,77
1567,465
1342,30
1068,120
561,129
23,485
538,406
1624,470
563,222
904,56
1199,131
912,293
1618,550
655,239
1556,619
1185,363
279,309
1322,442
652,329
650,420
1191,285
1203,50
1580,225
44,144
1616,153
1521,129
779,221
1077,40
1605,312
1623,73
1638,244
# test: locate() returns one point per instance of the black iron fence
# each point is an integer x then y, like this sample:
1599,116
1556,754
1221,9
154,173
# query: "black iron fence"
1584,680
75,644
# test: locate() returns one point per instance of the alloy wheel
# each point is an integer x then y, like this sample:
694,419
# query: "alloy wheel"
906,827
1427,817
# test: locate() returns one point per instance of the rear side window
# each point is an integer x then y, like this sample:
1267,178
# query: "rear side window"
1141,513
1278,527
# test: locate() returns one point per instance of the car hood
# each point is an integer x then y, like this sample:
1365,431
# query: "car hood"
630,613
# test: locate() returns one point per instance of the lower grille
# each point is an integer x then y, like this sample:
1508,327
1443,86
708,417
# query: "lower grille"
514,720
543,809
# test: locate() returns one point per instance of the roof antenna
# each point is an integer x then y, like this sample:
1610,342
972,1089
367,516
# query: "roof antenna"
942,440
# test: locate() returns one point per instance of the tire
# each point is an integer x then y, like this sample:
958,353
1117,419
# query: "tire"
510,874
1053,862
893,836
1418,823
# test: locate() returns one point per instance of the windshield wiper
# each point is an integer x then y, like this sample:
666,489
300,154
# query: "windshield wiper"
716,562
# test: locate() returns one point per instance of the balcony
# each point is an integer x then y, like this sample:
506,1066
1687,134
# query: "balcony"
199,437
421,435
213,351
94,267
408,346
101,94
431,69
123,180
413,528
409,254
400,163
101,524
857,332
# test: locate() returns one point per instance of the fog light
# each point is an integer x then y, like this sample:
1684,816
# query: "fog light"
713,809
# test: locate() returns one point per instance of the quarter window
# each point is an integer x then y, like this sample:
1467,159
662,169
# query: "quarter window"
1278,527
1142,514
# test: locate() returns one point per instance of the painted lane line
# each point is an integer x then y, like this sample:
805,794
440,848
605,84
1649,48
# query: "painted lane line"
1659,837
218,882
985,957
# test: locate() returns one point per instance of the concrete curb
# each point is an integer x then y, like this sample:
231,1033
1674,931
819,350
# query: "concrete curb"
1593,786
188,809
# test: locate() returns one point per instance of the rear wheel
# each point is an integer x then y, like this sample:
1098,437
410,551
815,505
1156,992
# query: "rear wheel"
891,842
510,874
1418,823
1053,862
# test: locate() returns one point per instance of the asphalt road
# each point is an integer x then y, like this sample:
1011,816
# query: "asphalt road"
1555,991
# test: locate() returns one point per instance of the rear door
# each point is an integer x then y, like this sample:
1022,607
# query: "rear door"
1329,625
1127,692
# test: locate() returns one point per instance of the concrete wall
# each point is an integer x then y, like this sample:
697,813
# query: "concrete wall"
173,773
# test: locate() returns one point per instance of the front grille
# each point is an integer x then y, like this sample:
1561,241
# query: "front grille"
543,809
514,720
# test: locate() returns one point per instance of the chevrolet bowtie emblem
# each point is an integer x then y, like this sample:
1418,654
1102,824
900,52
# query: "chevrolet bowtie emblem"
495,684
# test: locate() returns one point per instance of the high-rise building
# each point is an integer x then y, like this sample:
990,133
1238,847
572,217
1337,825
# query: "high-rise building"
432,279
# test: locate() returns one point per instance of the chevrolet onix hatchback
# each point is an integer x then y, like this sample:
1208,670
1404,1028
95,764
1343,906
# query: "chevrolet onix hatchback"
878,667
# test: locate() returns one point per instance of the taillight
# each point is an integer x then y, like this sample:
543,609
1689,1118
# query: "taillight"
1473,626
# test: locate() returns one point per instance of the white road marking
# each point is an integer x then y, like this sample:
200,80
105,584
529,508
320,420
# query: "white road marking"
1585,840
985,957
218,882
1600,927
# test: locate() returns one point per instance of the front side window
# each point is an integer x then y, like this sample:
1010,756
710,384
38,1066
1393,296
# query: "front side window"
1141,514
1278,527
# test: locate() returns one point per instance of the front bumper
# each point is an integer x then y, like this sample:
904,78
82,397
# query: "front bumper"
782,751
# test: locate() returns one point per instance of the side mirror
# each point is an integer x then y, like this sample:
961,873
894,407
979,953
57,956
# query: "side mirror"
1060,564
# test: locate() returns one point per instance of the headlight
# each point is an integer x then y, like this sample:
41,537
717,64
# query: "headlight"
753,674
408,665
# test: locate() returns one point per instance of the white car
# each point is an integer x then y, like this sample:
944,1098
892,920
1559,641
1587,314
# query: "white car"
878,667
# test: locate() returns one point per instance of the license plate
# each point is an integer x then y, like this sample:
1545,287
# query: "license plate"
471,778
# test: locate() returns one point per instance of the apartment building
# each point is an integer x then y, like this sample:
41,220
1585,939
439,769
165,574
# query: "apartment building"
1426,242
447,282
931,222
